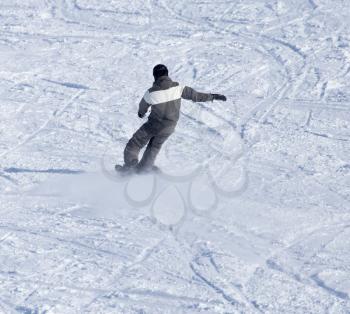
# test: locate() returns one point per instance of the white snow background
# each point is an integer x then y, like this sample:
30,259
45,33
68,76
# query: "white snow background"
252,212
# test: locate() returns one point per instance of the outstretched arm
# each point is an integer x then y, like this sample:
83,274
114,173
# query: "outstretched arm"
190,94
143,107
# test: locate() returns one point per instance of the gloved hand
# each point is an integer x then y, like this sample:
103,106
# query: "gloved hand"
140,115
219,97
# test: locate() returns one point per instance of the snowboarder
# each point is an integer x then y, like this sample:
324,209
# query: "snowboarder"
164,98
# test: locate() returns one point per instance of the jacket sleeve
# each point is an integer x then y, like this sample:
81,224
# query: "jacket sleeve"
143,107
190,94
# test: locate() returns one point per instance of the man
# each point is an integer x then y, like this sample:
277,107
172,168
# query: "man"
164,98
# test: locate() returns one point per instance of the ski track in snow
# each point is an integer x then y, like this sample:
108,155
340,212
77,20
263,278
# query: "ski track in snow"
73,74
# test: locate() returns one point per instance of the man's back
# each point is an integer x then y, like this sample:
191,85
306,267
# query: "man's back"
164,97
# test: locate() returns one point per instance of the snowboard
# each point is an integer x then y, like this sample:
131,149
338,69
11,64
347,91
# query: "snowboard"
125,171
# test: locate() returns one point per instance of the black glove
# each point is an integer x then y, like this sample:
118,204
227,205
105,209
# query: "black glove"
140,115
219,97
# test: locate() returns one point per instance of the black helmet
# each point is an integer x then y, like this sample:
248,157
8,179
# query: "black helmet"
159,70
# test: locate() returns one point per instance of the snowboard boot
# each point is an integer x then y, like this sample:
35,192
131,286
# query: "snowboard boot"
125,170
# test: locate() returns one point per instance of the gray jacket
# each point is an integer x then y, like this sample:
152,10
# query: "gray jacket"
164,98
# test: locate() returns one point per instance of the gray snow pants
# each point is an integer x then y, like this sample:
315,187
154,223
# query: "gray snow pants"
152,134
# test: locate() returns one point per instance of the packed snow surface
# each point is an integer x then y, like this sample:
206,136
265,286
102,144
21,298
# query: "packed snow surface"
252,211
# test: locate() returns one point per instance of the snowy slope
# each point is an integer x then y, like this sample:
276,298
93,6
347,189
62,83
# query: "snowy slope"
252,214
